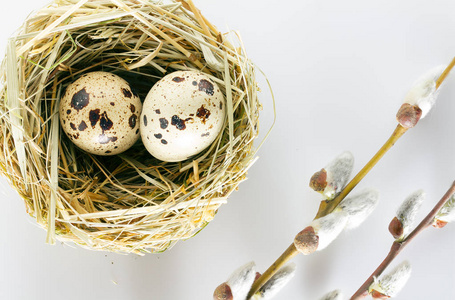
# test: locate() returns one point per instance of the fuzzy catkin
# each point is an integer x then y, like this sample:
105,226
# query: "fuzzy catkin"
359,206
423,93
333,295
241,280
392,283
408,210
329,227
276,283
338,173
447,212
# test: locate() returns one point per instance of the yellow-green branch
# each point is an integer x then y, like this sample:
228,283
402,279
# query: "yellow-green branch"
327,207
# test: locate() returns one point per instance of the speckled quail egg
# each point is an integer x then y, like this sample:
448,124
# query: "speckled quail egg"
182,115
99,113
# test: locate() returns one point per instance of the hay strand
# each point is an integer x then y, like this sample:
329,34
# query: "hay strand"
14,107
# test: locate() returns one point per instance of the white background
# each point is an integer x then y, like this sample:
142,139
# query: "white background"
339,70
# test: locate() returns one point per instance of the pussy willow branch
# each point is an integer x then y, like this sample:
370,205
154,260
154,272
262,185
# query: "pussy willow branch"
445,73
327,207
396,248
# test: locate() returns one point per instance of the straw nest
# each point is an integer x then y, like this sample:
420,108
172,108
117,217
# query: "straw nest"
130,202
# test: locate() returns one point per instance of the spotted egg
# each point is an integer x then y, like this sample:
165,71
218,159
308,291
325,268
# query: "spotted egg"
182,115
99,113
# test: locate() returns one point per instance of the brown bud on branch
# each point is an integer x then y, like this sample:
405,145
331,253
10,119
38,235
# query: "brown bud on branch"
318,181
396,228
306,241
409,115
400,226
223,292
330,180
420,98
238,284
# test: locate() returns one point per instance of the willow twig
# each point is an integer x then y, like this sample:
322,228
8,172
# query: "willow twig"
445,73
398,246
326,207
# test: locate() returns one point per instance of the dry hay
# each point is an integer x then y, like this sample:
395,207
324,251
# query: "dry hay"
131,202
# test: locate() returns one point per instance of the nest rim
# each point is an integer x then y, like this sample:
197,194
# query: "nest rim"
94,208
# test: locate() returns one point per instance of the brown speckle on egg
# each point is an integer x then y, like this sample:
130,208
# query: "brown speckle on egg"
178,123
157,111
158,135
203,114
82,126
145,120
68,111
132,108
80,100
105,123
127,93
73,126
194,82
205,134
94,116
163,123
164,142
132,121
206,86
178,79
